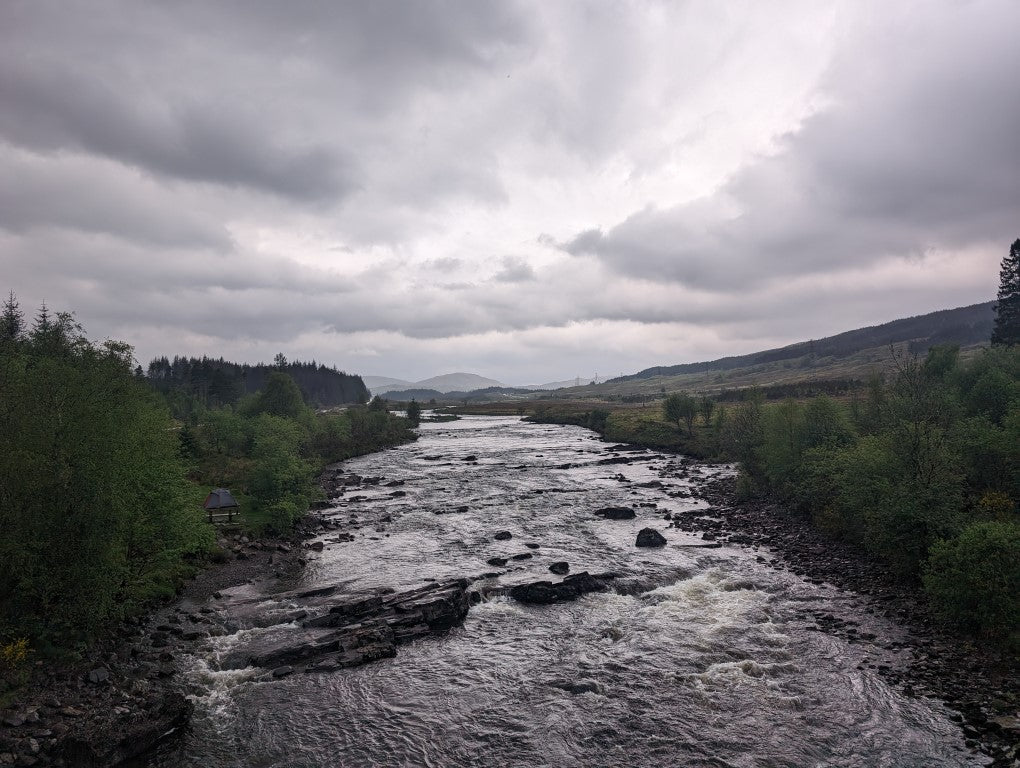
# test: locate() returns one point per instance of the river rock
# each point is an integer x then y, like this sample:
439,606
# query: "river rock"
522,556
499,562
649,537
103,739
616,460
560,568
571,588
361,628
503,536
616,513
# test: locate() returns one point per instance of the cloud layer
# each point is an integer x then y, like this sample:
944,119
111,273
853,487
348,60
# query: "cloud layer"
529,190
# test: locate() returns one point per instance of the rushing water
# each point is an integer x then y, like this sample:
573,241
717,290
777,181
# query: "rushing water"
706,657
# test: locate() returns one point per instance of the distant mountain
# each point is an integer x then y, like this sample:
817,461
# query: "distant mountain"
457,382
448,382
556,384
485,395
964,326
379,383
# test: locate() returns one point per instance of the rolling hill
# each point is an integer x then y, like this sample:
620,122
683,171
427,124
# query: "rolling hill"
849,356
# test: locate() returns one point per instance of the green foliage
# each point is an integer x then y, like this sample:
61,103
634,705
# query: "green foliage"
912,473
973,580
706,407
12,321
679,408
414,412
1006,330
597,421
95,512
280,397
190,383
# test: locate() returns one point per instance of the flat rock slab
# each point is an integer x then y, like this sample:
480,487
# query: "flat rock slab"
358,629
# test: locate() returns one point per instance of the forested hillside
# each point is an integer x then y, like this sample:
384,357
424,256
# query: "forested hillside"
215,382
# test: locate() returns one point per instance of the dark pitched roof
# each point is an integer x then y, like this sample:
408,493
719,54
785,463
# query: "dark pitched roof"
220,498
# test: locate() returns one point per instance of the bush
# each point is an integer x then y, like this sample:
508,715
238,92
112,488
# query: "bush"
973,581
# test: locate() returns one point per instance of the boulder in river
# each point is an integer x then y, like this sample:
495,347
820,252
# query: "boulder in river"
649,537
560,568
571,588
616,513
499,562
503,536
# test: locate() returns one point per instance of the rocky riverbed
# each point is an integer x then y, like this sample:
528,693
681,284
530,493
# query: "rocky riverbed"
401,587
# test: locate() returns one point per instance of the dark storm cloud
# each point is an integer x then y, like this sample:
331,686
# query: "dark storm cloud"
220,93
916,150
63,108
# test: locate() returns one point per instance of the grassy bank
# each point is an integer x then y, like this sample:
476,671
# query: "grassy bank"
643,425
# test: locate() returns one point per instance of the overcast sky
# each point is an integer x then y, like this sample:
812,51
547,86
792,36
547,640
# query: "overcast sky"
530,191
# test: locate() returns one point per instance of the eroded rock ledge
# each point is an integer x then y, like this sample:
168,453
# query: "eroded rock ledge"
359,629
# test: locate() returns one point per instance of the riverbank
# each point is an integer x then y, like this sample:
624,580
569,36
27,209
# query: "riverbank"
978,681
636,423
121,698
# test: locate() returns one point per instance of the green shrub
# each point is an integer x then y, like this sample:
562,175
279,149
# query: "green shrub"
973,581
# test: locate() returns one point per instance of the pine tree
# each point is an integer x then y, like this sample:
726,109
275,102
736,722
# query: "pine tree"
12,321
1007,309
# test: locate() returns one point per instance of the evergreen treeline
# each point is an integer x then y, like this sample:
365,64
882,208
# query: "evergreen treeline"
216,382
101,489
923,471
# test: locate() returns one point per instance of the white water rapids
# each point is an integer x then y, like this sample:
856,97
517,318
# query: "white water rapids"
708,657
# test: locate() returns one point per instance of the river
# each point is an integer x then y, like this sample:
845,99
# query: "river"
701,657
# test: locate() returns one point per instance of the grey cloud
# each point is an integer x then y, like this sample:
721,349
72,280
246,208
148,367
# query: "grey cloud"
56,110
444,264
277,98
515,270
918,151
100,198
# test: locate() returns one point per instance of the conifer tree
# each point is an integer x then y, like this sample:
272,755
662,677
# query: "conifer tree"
12,321
1007,309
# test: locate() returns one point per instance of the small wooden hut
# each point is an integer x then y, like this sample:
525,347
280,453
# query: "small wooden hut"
221,506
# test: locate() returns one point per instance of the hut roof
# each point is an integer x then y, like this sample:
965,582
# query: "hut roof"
220,498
